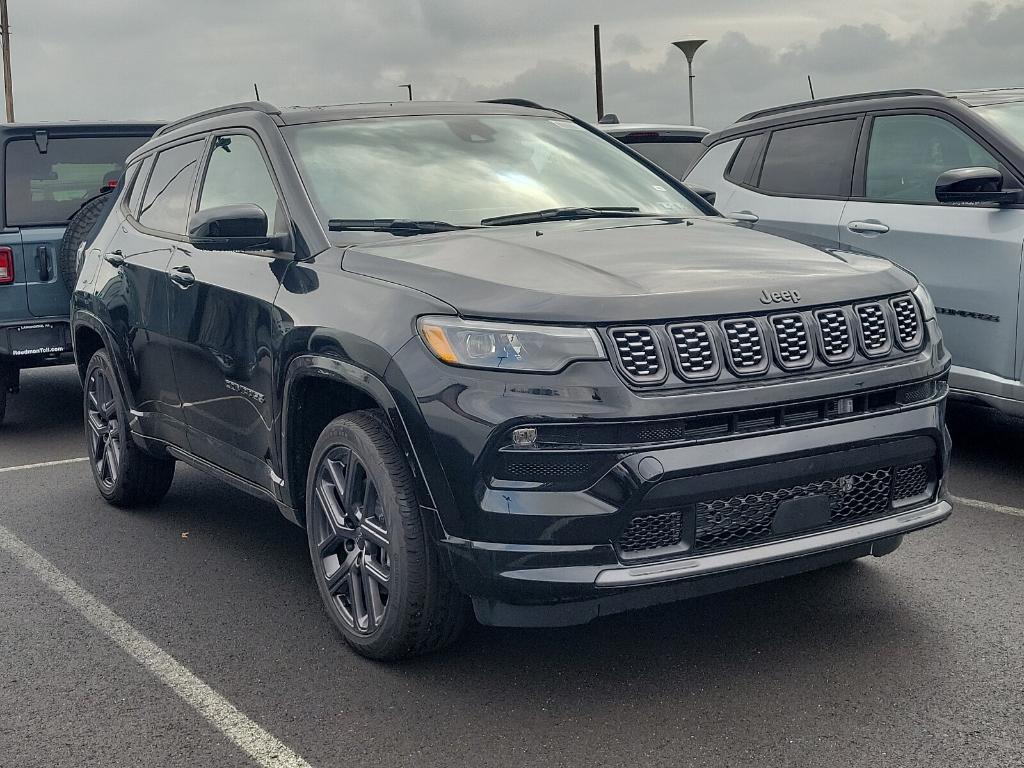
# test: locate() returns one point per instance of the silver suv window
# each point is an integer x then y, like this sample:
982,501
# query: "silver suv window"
907,154
810,160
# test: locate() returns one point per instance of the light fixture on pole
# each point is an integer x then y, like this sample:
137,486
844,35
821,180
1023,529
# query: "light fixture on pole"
689,48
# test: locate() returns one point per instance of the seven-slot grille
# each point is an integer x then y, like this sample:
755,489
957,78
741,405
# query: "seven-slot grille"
749,345
745,346
909,331
793,343
695,350
874,329
638,354
836,340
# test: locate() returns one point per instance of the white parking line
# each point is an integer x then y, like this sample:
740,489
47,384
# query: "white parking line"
260,745
989,506
43,464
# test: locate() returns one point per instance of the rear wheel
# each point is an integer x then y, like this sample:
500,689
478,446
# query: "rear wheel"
125,475
382,580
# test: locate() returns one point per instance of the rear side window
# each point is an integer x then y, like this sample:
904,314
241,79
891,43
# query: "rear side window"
138,187
810,160
49,187
739,169
165,204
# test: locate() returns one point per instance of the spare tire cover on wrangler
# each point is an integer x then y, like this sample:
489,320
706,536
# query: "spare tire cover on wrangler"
79,228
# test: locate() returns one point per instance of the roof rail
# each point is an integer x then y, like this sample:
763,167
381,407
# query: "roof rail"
244,106
839,100
516,103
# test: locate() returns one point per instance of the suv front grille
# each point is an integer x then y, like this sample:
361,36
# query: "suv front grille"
638,354
748,519
794,344
745,345
909,331
731,348
695,351
874,329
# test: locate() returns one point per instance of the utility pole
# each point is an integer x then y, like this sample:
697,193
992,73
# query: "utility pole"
5,33
599,74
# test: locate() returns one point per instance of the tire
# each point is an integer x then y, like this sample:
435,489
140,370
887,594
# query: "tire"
360,496
78,229
125,475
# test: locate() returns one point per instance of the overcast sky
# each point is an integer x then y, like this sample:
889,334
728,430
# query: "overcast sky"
119,59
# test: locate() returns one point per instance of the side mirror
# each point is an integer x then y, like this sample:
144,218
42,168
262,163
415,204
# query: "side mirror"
974,185
709,195
233,228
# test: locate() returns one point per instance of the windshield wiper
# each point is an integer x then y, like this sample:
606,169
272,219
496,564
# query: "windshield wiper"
394,226
556,214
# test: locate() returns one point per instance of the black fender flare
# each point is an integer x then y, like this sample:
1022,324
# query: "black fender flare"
84,318
323,366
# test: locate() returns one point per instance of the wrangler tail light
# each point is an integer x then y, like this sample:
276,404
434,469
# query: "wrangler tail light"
6,266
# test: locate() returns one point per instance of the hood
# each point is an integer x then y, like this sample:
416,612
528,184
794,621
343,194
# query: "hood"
614,270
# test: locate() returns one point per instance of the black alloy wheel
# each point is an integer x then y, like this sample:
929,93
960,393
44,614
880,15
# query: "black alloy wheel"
353,545
105,431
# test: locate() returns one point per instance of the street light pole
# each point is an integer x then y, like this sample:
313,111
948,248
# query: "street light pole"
689,48
5,33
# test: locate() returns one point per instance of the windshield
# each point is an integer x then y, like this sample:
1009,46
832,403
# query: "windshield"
461,169
1008,117
49,187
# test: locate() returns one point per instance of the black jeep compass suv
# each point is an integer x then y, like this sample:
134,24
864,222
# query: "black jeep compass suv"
485,351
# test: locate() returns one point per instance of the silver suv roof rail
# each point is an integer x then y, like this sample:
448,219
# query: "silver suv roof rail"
243,106
839,100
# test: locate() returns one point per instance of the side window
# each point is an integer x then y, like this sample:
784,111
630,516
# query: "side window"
238,174
138,187
742,163
169,191
908,153
810,160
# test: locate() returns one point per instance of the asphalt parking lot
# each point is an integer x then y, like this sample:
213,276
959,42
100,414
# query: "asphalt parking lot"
912,660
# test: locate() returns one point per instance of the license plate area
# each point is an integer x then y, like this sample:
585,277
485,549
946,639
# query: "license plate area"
38,339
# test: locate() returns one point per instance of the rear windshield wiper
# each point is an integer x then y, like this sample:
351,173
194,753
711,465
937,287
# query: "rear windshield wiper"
555,214
394,226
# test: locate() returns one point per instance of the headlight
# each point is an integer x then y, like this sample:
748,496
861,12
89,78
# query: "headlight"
925,300
508,346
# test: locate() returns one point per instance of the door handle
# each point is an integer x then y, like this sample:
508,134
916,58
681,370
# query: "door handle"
182,276
745,216
114,258
43,263
868,227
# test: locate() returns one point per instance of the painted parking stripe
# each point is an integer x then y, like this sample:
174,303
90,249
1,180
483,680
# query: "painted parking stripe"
249,737
989,506
43,464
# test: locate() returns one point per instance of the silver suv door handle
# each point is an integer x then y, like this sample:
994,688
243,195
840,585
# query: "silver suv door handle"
745,216
869,227
182,276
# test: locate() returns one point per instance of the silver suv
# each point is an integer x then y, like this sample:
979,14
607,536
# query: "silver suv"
929,180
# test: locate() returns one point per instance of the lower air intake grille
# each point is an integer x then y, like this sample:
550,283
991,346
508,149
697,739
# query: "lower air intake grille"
909,482
909,333
874,329
638,354
652,532
746,346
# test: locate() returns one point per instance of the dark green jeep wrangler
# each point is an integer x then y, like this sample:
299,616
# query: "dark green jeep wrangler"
49,172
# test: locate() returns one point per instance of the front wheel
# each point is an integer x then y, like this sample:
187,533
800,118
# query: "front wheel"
124,474
382,580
